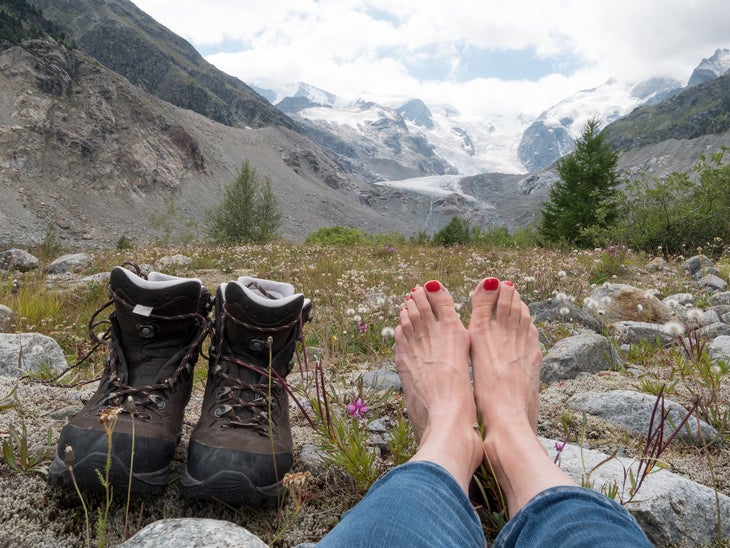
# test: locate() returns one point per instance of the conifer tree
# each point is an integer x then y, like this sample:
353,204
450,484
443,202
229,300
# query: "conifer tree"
582,206
249,212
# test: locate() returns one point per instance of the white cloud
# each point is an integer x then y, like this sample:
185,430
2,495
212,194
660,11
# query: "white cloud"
350,47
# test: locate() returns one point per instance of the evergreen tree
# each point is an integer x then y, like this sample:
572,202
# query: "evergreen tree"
249,212
582,206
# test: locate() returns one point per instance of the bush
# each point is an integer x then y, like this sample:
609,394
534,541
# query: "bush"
456,232
249,212
683,211
337,235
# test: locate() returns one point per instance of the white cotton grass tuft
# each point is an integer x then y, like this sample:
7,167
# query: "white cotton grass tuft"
675,329
387,332
695,314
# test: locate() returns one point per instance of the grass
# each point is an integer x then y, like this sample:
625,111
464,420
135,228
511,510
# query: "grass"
356,293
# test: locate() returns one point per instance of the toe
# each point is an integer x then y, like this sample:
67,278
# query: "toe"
440,301
484,300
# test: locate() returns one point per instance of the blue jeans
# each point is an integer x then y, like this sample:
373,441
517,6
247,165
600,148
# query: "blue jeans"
421,504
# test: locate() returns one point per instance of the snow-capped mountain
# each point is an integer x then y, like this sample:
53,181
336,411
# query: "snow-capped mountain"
711,68
388,143
553,134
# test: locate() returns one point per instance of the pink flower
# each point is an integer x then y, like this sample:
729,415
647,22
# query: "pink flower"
559,446
363,327
357,408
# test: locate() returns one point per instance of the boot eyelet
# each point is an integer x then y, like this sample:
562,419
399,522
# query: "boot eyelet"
159,401
222,410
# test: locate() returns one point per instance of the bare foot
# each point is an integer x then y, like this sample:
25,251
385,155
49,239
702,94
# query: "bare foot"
504,344
432,357
506,359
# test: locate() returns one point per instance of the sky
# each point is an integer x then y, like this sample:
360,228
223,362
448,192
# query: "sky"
483,58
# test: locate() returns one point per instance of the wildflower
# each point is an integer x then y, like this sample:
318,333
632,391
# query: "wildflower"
357,318
605,301
564,310
675,329
350,311
362,310
590,303
387,332
559,446
528,279
562,274
695,314
362,326
68,456
639,307
108,415
357,408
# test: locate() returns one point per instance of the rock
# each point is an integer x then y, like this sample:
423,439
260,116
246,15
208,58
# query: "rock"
712,282
634,332
562,311
695,264
573,356
75,262
18,259
715,329
620,302
719,348
679,300
672,510
312,458
7,319
657,263
633,410
720,298
172,260
33,352
382,379
194,532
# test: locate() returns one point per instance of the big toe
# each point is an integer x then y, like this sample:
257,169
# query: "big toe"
440,300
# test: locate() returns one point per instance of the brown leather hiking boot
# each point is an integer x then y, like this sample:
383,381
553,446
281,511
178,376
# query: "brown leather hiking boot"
241,447
154,339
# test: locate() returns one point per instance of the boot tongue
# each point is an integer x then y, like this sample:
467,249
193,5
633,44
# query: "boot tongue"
152,340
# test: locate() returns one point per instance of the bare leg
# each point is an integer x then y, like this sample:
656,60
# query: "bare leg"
432,353
506,360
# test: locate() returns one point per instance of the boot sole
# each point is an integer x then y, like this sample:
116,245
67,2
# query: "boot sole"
231,487
86,472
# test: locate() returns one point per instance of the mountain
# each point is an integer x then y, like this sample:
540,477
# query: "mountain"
408,140
703,109
711,68
91,155
553,134
128,41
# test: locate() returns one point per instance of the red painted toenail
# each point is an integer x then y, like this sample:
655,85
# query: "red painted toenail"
490,284
507,282
433,286
414,289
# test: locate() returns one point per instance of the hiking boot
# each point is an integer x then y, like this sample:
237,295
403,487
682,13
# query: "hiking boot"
241,447
153,343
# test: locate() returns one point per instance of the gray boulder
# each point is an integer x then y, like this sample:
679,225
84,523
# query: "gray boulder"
672,510
32,352
719,348
554,310
715,329
581,354
720,298
696,264
194,532
634,332
18,259
633,410
712,282
7,319
382,379
75,262
679,299
172,260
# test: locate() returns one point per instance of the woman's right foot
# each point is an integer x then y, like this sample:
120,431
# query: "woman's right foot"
506,359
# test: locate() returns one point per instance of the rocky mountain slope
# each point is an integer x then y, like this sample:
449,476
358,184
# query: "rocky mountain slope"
131,43
83,150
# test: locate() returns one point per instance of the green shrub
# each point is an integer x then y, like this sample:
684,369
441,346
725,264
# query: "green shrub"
337,235
456,232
